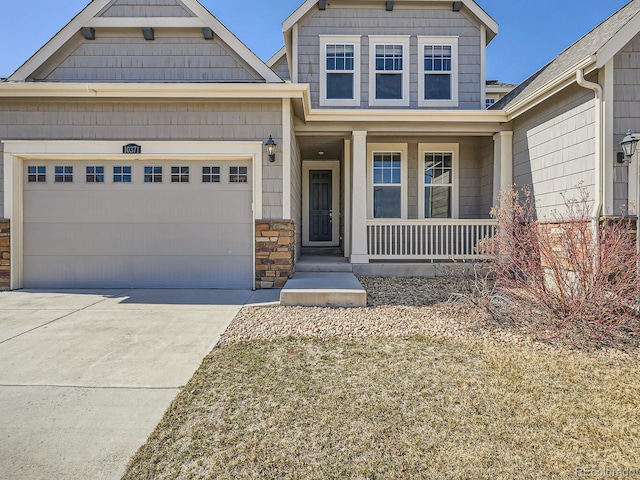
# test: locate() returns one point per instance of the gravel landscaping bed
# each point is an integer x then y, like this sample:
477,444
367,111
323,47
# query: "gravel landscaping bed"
403,307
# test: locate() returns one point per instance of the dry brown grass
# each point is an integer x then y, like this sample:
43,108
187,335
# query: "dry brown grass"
396,408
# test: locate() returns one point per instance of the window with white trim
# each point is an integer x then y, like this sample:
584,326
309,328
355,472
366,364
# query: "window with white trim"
387,179
389,70
122,174
153,174
64,174
180,174
238,175
37,174
438,79
488,102
339,70
210,174
94,174
439,172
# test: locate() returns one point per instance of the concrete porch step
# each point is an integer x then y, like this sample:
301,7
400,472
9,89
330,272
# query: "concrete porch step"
319,263
323,289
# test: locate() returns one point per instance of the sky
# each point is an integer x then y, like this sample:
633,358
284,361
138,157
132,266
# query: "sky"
532,32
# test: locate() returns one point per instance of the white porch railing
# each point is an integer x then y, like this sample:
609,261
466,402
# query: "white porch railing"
427,239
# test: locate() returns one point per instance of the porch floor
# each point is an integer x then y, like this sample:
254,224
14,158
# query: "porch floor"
324,289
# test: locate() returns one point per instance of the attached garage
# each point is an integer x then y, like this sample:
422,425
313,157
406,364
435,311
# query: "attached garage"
154,224
87,215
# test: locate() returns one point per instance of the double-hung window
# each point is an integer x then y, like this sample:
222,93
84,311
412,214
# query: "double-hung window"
389,71
439,172
340,70
438,79
388,180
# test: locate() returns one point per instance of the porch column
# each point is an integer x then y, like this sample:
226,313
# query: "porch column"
359,250
502,163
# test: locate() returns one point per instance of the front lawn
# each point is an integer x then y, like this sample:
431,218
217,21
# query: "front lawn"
395,408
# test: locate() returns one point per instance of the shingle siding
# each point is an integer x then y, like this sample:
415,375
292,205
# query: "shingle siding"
626,96
125,56
365,21
282,69
145,8
554,147
141,121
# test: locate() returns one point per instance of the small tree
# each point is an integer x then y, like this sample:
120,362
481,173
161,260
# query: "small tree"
585,275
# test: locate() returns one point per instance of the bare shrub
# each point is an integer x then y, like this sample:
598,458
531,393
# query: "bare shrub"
584,277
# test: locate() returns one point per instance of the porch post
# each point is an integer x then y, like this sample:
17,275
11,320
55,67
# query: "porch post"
359,250
502,163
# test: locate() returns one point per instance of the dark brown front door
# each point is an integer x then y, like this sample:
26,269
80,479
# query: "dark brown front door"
320,208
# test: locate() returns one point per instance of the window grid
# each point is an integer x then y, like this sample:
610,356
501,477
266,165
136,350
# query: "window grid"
340,58
95,174
64,174
122,174
488,102
438,72
438,177
438,58
238,175
179,174
37,174
389,58
211,174
387,168
153,174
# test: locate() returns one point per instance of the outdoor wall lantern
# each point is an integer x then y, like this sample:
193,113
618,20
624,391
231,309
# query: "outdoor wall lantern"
271,149
629,145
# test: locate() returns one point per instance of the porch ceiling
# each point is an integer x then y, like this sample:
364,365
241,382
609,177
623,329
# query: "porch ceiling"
311,146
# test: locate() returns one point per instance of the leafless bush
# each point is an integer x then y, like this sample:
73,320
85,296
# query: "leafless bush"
585,277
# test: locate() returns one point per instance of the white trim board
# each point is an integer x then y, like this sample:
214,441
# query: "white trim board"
16,152
334,166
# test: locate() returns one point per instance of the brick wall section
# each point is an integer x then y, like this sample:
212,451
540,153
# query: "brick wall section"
5,255
275,252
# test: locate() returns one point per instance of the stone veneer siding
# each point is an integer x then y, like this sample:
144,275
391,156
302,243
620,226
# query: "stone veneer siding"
275,252
5,255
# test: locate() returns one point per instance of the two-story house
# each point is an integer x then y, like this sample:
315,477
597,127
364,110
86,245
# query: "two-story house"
146,146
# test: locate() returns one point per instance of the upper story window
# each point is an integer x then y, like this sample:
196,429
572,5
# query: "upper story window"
340,70
438,80
488,102
389,70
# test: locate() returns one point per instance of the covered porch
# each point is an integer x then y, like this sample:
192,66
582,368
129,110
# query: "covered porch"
390,194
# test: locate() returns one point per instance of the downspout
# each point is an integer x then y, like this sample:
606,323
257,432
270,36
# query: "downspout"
599,142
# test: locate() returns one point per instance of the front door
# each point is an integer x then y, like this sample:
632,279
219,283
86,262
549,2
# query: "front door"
320,206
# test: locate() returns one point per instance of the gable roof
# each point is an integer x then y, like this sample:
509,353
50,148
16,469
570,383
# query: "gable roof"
471,5
595,49
90,16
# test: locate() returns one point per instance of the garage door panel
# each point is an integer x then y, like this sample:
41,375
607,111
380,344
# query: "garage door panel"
135,206
137,239
163,235
138,272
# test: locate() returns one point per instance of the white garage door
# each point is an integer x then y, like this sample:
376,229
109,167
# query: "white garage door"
143,223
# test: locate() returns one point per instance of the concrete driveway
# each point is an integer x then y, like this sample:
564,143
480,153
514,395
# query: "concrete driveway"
85,376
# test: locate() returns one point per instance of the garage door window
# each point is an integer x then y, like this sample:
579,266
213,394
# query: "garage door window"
37,174
122,174
211,174
238,175
179,174
95,174
153,174
64,174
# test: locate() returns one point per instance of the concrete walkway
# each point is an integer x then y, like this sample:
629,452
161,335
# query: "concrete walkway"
85,376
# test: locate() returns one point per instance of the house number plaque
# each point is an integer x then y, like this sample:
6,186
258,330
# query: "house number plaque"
132,149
